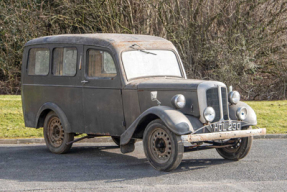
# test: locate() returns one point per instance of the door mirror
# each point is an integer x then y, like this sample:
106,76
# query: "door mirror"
153,95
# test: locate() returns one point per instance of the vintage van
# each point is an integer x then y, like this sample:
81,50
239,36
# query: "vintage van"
130,87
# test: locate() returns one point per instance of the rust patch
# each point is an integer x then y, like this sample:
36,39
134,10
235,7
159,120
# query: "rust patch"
223,135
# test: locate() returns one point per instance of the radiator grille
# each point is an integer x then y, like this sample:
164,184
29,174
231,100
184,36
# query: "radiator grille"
224,103
212,99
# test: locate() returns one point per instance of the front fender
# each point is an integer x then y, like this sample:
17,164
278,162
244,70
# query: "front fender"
251,118
58,111
176,121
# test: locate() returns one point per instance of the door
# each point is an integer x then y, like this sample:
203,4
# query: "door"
102,98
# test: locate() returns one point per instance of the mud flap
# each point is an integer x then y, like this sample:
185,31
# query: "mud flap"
129,147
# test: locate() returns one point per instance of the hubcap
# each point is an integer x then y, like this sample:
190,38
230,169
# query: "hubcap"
160,145
55,132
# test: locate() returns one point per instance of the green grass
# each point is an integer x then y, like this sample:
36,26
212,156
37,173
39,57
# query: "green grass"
271,115
11,119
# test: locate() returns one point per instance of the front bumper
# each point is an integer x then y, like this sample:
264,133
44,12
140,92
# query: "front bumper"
222,135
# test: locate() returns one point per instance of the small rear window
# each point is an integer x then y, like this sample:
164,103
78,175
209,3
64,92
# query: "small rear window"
64,61
38,63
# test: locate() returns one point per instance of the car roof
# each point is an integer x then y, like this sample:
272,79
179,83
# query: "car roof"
101,39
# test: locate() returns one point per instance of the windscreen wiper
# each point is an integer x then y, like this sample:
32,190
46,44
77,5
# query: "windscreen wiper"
142,50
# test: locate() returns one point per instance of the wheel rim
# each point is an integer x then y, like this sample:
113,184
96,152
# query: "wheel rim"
160,145
55,132
235,147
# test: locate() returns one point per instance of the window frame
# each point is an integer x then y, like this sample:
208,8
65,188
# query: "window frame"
28,58
52,61
179,62
87,66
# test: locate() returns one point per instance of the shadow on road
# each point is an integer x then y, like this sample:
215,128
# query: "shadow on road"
84,163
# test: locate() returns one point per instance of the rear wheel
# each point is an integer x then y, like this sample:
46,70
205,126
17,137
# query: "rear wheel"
55,135
239,150
163,149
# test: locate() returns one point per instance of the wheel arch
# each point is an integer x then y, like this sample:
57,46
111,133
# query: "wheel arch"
48,107
41,118
175,121
139,130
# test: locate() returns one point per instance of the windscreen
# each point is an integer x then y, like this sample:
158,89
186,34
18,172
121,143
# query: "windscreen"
150,63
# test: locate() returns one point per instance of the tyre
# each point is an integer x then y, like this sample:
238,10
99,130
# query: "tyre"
55,135
240,149
163,149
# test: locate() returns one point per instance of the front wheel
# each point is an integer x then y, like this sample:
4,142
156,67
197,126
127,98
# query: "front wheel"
239,150
163,149
55,135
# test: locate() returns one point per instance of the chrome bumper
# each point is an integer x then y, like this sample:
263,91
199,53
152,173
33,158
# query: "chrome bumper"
222,135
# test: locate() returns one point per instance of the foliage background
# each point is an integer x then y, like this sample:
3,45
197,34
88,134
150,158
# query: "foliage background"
242,42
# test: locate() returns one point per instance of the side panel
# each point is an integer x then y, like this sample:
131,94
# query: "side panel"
191,107
28,122
131,106
102,100
69,101
103,111
65,92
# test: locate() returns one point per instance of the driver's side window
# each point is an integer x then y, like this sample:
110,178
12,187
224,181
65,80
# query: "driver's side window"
100,64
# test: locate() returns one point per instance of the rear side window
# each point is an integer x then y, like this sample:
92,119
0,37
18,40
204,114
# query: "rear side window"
38,63
64,61
100,64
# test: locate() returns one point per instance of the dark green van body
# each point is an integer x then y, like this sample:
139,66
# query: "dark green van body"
111,105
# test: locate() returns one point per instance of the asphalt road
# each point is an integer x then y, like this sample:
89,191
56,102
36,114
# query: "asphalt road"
101,167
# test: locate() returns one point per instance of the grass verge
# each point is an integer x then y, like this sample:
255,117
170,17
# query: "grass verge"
11,119
271,115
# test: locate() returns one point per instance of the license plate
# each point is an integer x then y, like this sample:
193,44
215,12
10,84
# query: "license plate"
223,126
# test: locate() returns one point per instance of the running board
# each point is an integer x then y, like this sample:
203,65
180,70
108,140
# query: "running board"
76,140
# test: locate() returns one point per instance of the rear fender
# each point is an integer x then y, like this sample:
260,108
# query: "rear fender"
53,107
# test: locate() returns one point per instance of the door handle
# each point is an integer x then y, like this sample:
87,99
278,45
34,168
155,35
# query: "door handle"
84,81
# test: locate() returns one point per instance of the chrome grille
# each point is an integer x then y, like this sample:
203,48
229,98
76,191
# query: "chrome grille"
212,99
224,103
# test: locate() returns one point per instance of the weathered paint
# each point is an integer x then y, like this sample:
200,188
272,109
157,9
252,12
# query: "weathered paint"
222,135
107,106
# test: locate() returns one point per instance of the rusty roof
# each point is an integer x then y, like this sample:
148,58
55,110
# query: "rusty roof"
118,42
110,38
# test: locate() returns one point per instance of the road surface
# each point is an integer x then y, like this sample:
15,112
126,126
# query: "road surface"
101,167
